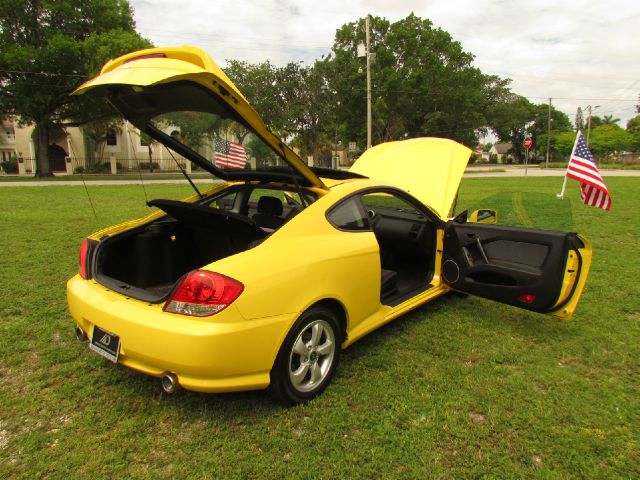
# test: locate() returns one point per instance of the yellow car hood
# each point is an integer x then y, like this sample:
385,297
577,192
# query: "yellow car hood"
430,169
164,65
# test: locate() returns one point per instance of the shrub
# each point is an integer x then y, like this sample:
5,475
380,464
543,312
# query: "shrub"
10,166
79,169
145,165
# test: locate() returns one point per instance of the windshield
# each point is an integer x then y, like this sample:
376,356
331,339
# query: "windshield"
223,142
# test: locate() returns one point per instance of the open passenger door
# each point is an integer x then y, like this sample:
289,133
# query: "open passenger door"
537,270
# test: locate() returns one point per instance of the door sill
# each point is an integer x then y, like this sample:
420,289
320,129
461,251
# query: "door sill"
398,298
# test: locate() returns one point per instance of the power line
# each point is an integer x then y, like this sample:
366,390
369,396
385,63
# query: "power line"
378,90
50,74
585,99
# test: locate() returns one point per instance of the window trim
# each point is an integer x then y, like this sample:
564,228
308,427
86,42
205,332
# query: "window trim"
356,199
429,214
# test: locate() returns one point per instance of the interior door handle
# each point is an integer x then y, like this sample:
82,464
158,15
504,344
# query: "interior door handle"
484,255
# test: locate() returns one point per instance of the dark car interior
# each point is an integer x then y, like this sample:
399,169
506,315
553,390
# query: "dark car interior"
406,236
407,241
146,262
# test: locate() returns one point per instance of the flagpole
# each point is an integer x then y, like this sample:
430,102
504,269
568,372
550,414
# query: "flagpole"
564,183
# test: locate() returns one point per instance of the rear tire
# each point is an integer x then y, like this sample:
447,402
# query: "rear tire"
307,358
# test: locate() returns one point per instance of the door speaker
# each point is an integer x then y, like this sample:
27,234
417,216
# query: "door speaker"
450,271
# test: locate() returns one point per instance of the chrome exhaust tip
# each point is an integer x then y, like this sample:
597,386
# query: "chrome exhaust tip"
80,335
170,383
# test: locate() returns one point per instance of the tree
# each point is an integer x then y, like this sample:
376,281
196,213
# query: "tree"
96,134
635,141
596,121
539,126
633,125
512,116
609,138
609,120
49,48
259,84
315,123
508,118
561,144
195,129
259,150
423,82
149,142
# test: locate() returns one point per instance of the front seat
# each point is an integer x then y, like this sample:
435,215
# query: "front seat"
269,213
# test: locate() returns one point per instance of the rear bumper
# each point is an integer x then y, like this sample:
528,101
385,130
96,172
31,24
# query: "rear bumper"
217,354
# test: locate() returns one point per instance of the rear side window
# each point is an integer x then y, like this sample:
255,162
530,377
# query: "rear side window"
349,216
387,201
226,202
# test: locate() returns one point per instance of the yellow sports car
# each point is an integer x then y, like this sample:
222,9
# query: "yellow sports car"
260,281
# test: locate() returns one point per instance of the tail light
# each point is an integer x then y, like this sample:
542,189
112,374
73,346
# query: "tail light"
202,293
84,253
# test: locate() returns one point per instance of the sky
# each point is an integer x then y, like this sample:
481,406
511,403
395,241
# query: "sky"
578,52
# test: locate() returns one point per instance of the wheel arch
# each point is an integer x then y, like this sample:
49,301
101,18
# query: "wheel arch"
338,309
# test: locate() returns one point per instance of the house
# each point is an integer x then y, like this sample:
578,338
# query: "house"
72,150
501,150
7,139
480,154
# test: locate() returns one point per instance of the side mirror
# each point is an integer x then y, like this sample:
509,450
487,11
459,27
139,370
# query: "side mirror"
484,216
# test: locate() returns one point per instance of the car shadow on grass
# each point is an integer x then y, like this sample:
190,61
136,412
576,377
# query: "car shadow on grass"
437,330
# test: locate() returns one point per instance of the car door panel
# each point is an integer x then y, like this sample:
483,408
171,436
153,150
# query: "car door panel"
533,269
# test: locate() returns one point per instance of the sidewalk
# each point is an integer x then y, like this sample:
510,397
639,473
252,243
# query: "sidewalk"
535,171
510,171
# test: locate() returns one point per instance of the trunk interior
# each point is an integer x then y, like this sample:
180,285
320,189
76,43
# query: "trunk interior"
146,262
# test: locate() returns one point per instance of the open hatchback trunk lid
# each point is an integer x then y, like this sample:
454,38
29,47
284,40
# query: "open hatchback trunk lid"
430,169
181,98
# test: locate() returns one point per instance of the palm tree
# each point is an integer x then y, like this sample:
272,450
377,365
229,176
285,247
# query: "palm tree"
609,120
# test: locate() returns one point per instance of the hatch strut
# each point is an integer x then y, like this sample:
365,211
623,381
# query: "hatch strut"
73,154
293,177
185,173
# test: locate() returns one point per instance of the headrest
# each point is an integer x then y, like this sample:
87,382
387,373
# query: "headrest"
270,206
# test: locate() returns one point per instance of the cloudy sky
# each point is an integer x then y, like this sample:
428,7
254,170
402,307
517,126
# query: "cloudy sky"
579,52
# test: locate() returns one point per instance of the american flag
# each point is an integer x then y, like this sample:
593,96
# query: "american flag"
583,168
230,154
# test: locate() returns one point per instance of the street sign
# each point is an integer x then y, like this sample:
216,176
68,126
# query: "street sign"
528,142
352,146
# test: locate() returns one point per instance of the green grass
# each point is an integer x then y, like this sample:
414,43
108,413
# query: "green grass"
92,177
461,388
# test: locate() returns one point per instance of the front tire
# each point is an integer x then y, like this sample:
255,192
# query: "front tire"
307,359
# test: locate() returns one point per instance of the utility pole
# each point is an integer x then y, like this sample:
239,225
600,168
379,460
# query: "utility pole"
589,122
548,133
367,26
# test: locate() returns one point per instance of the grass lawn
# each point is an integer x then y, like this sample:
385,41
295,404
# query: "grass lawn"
92,177
461,388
